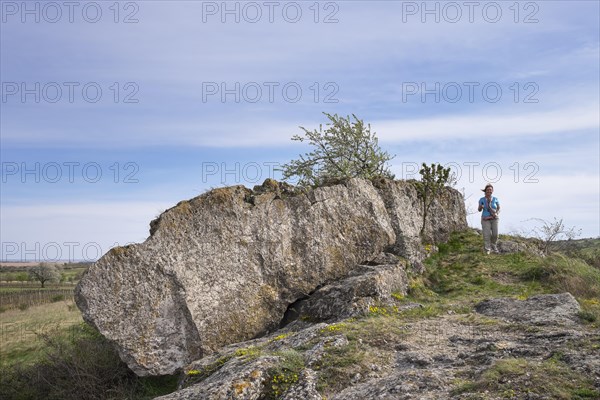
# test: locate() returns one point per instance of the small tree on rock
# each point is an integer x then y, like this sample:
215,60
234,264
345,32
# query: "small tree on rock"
44,272
345,149
433,179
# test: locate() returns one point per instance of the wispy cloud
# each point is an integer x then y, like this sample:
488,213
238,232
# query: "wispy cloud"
76,231
491,125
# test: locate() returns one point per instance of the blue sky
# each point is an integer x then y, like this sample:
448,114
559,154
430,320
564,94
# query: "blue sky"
113,112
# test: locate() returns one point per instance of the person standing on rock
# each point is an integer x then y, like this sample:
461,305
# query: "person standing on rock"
490,206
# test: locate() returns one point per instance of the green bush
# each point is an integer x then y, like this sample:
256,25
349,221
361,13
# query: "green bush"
433,180
345,149
57,298
285,375
587,316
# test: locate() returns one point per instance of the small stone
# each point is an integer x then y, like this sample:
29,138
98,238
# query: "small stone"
356,377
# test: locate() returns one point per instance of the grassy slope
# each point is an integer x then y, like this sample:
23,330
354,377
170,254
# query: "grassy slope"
461,273
458,277
20,331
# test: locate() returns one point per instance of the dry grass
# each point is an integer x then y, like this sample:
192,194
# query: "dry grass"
20,330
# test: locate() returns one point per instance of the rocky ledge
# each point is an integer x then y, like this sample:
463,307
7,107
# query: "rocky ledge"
418,358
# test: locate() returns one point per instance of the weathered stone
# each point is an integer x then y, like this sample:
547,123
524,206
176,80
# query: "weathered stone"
508,246
384,259
300,334
447,215
305,389
354,295
293,336
223,267
414,360
544,309
236,380
513,246
441,352
424,384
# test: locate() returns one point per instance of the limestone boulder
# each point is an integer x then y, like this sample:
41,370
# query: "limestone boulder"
223,267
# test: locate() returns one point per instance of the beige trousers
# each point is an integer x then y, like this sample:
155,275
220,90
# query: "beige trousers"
490,234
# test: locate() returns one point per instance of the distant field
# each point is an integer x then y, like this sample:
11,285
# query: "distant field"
19,264
34,285
14,266
23,299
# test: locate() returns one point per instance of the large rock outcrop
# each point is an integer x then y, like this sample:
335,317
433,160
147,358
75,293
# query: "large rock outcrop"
223,267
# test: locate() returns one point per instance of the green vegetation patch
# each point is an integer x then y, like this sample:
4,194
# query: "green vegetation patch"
285,375
590,311
566,274
369,341
195,376
339,365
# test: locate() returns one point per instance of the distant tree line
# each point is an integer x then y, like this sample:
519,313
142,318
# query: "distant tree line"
43,273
